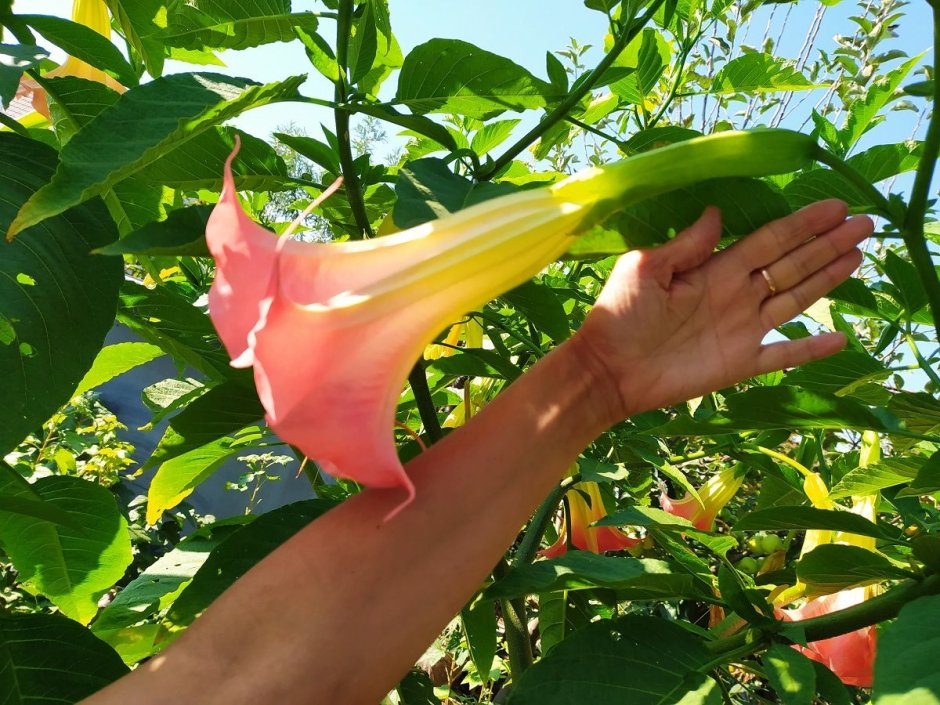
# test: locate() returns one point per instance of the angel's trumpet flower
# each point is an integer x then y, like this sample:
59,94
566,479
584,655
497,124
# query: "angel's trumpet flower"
332,329
582,514
715,494
92,14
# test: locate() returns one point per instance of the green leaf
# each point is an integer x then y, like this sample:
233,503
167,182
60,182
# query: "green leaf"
182,233
363,43
164,318
656,137
919,411
921,89
198,164
417,123
863,113
84,43
927,480
832,567
452,76
479,626
634,659
760,73
840,374
114,360
57,301
221,24
649,54
145,124
417,689
886,160
868,480
783,407
539,304
240,552
71,564
910,291
153,590
553,607
75,102
637,579
791,674
49,660
316,151
177,477
786,518
492,135
818,184
905,663
221,411
14,60
137,20
745,205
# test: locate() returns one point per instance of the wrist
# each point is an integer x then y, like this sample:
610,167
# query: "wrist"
600,391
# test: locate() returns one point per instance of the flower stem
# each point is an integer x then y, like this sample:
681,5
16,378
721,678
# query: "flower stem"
877,609
419,386
518,643
532,537
913,230
581,89
884,207
341,117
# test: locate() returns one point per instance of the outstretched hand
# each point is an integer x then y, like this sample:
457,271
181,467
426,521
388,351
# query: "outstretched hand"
678,321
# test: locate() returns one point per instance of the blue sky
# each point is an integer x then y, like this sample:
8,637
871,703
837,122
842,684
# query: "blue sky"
523,30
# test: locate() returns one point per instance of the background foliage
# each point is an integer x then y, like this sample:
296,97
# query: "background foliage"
104,207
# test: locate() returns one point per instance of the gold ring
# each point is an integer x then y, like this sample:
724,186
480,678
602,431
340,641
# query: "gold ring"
770,281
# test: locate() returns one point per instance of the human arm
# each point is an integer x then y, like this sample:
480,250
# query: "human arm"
340,611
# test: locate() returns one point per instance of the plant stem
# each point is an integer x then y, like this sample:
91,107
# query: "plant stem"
419,386
680,67
878,200
581,89
518,643
922,363
872,611
539,522
913,229
341,95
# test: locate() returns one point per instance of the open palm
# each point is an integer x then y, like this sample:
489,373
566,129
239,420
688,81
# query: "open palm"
679,321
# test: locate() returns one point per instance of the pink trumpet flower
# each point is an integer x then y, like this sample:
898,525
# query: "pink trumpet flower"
596,539
715,494
332,329
850,656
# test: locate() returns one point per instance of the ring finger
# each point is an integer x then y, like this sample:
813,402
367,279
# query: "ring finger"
804,261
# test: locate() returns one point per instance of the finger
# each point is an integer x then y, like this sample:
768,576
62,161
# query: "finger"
806,260
772,241
785,305
793,353
696,243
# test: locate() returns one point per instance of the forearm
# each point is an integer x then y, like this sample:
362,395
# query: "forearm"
342,610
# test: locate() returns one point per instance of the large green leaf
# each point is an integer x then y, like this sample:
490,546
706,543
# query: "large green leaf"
57,301
636,660
114,360
217,413
786,518
878,476
840,374
239,553
71,564
906,661
138,20
83,43
649,54
145,124
127,622
927,480
760,73
783,407
634,578
542,308
833,567
449,75
180,475
182,233
50,660
222,24
791,674
863,114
